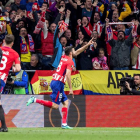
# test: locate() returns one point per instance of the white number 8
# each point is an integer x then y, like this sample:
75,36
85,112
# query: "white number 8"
3,62
59,67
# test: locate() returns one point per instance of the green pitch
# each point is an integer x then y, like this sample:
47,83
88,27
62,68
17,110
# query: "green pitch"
75,134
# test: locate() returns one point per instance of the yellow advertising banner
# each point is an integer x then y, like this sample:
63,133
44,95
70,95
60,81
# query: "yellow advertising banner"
104,81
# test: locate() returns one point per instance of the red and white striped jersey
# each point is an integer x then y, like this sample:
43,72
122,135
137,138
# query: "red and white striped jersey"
137,66
65,63
98,27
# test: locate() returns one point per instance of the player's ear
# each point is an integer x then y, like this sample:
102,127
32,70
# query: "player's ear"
12,43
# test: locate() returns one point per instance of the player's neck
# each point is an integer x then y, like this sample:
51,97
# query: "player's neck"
70,56
7,45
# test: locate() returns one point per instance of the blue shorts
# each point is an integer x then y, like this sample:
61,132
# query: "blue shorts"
2,85
58,95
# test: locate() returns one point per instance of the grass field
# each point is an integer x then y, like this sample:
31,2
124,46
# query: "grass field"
75,134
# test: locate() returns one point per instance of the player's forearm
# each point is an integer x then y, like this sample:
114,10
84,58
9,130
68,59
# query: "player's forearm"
77,52
68,77
17,68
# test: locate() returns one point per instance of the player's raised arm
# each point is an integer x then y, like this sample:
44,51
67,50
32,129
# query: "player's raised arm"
77,52
68,78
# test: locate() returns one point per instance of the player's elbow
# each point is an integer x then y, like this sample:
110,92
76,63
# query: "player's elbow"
18,68
75,54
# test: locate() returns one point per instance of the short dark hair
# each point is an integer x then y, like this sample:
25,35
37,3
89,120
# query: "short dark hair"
61,0
102,49
86,17
95,31
21,28
68,49
62,37
12,11
9,39
121,31
46,3
34,54
98,13
136,75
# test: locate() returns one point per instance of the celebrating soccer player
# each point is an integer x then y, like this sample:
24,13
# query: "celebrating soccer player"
62,74
9,56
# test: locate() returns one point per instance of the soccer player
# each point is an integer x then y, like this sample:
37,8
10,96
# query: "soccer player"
62,74
9,56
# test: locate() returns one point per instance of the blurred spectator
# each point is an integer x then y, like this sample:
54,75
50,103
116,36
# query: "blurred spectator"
34,63
135,54
100,62
24,45
87,10
120,54
70,42
12,15
16,5
4,28
84,60
29,5
80,37
47,45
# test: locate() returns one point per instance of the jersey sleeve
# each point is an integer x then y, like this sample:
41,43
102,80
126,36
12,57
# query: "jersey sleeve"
17,58
70,65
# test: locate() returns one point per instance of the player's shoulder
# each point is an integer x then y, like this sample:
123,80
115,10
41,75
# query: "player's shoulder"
70,61
7,49
9,52
64,59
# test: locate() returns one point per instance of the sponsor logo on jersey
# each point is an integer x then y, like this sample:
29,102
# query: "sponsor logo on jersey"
64,59
5,52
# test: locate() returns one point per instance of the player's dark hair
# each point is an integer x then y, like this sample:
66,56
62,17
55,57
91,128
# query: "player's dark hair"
9,39
68,49
136,75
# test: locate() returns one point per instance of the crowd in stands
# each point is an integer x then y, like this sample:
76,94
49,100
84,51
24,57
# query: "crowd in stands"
40,42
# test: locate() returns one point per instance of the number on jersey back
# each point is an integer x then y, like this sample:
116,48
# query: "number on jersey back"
8,57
